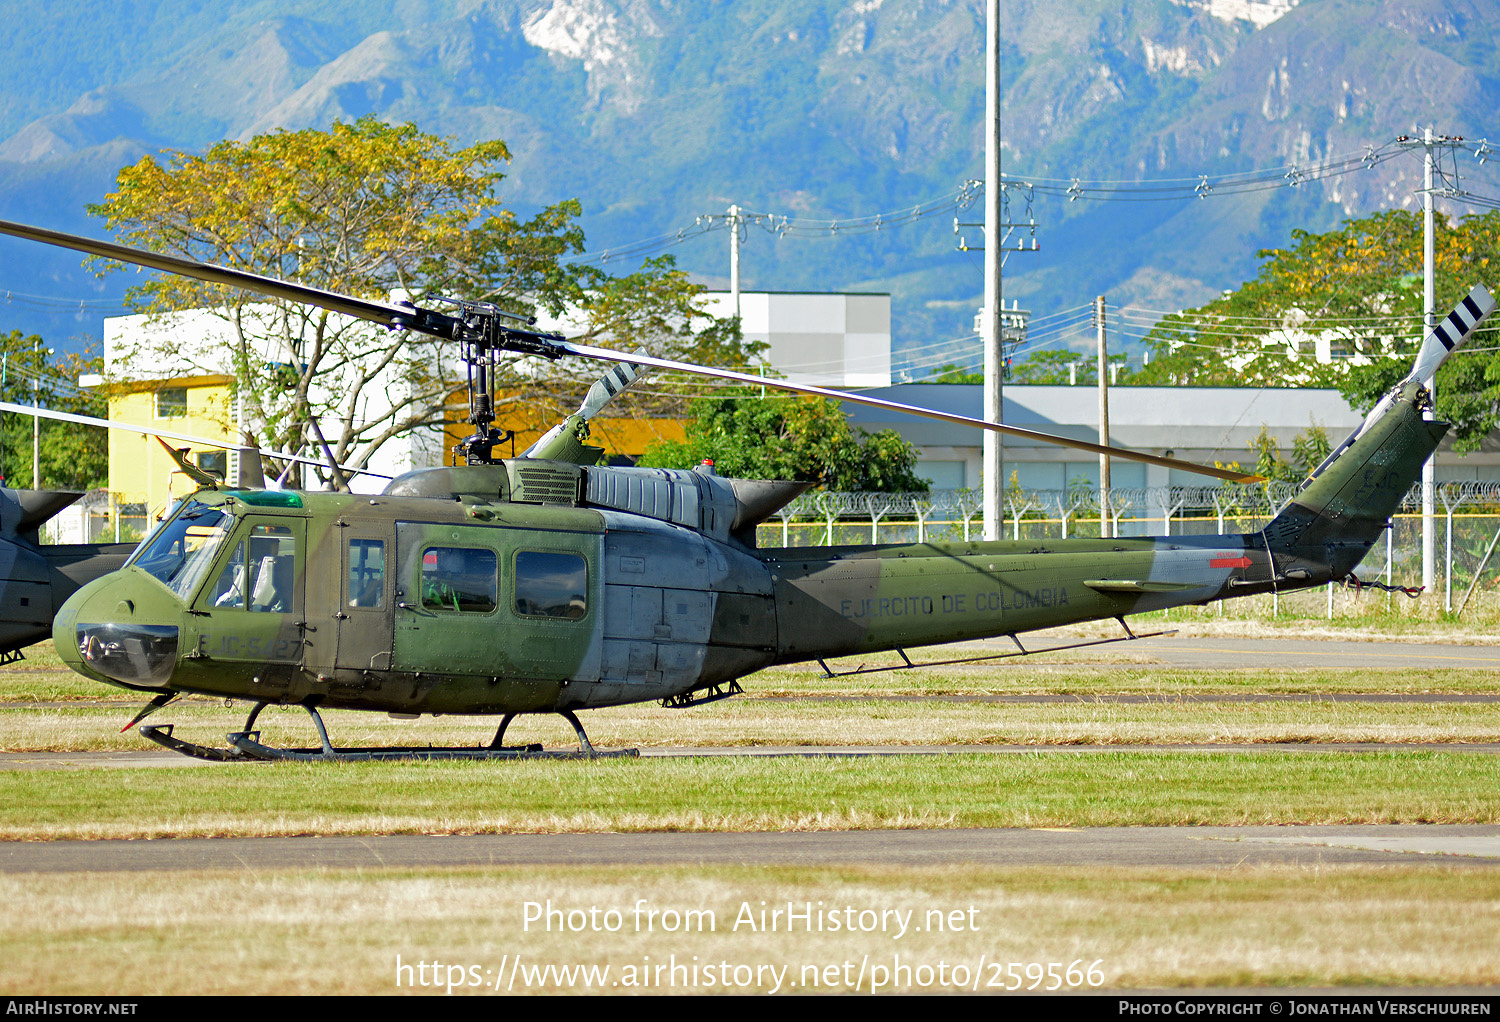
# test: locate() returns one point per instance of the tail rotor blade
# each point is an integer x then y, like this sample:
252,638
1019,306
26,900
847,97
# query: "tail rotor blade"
1446,338
1449,335
607,387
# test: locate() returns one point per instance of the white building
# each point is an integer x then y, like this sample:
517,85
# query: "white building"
1196,424
821,339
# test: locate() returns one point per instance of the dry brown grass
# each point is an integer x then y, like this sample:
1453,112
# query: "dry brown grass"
341,933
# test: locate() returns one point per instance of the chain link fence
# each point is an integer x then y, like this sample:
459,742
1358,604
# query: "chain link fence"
98,517
1467,522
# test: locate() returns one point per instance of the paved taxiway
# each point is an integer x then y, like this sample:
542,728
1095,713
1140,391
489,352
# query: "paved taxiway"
1466,846
1228,653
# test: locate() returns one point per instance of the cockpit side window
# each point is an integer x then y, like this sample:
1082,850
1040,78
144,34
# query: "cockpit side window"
261,574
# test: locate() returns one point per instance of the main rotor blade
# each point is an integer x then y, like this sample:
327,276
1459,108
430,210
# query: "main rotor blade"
587,351
375,312
90,420
440,324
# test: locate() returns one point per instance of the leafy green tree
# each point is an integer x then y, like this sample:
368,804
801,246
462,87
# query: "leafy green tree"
368,209
1043,368
1052,367
72,457
1309,448
1360,289
952,372
790,437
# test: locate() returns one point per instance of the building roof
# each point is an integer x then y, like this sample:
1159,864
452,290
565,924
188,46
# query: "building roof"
1223,420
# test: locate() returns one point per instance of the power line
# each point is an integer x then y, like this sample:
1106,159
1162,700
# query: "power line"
1203,186
1073,188
783,225
63,306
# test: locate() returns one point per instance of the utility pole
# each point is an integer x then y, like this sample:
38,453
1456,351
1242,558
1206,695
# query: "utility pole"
1429,302
36,422
4,368
1430,144
734,256
993,466
991,326
239,419
1105,521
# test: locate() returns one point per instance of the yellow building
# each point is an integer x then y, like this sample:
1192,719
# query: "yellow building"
140,471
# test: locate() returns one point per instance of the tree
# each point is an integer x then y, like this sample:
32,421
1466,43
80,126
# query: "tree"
72,457
1043,368
1357,291
368,209
1052,368
1309,448
953,372
790,437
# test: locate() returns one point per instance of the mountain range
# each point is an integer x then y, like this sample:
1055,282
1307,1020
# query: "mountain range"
656,112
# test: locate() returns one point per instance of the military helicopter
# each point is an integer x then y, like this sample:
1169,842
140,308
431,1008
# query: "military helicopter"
549,584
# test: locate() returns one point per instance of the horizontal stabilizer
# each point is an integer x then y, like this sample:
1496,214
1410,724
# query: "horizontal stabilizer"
35,507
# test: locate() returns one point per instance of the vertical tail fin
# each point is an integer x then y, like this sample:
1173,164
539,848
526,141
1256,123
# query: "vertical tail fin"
1335,520
1348,500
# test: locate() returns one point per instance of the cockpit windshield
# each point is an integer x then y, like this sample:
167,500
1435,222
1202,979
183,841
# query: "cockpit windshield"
181,550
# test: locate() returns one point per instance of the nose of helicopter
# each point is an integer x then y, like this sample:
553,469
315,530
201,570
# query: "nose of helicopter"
99,633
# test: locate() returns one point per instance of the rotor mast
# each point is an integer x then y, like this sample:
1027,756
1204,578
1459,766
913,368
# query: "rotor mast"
478,328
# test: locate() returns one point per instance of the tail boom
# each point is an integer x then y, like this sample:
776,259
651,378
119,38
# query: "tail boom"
847,600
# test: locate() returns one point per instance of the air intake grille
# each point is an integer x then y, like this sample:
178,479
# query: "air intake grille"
546,484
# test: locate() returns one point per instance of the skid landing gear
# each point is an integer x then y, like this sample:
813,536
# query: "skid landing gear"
245,745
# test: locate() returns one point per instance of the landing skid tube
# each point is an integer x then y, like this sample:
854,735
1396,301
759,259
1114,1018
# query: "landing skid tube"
161,734
246,746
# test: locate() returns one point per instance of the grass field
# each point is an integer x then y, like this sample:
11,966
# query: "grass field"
305,932
736,794
315,931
